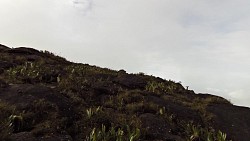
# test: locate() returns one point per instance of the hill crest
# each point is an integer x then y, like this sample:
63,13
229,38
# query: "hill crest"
46,97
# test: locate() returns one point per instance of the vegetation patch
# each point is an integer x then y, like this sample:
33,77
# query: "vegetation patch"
43,96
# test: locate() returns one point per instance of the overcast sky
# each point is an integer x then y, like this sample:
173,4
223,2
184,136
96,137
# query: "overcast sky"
205,44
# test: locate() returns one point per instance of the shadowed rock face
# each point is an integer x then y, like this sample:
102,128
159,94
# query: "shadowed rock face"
45,97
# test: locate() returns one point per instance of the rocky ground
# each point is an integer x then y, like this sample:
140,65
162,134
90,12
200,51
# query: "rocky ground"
45,97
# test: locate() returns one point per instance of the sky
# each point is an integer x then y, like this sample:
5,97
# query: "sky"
204,44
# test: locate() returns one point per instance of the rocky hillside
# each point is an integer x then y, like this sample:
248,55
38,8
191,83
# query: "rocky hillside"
44,97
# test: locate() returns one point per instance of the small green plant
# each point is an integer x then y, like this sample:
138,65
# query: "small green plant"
221,136
13,123
92,111
6,128
32,72
151,86
89,112
16,122
133,135
161,87
162,111
196,132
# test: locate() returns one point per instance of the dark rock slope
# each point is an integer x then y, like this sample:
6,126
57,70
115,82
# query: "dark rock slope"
45,97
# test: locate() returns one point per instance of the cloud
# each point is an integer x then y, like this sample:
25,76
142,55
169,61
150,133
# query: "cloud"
204,44
84,6
239,96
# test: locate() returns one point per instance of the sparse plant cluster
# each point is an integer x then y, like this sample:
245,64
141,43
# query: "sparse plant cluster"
196,132
73,83
161,87
32,73
80,77
192,131
117,134
119,128
196,104
131,102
